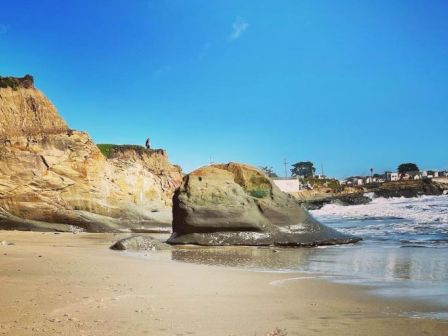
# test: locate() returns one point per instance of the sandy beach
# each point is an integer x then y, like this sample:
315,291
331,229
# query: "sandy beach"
67,284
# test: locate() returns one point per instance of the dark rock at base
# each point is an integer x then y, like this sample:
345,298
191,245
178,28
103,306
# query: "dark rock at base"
140,243
235,204
347,199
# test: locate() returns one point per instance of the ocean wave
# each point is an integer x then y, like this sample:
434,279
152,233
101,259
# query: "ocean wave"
399,222
420,210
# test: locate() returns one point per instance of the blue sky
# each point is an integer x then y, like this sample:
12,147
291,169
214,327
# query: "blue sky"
350,84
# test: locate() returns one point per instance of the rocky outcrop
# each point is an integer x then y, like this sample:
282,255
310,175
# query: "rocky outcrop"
441,183
235,204
53,178
140,244
407,189
343,199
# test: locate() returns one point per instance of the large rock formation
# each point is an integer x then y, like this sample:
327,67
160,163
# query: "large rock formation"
52,177
235,204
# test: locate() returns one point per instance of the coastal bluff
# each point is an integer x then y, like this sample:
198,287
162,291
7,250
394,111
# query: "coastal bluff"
236,204
55,178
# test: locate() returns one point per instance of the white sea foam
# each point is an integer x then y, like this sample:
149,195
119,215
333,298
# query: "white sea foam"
419,210
283,281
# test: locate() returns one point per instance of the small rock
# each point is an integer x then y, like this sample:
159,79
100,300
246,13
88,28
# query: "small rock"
140,243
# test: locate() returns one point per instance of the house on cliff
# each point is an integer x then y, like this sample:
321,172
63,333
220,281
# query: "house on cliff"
391,176
433,173
412,175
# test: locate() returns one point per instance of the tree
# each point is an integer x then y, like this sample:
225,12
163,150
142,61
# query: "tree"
407,167
304,169
269,171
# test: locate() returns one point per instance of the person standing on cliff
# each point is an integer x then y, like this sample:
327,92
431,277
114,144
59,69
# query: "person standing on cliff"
148,144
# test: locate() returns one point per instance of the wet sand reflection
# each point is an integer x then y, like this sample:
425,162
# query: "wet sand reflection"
264,258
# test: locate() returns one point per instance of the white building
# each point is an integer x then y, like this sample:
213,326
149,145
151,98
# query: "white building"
431,173
390,176
288,185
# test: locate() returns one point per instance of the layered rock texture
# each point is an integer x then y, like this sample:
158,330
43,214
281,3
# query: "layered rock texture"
54,178
235,204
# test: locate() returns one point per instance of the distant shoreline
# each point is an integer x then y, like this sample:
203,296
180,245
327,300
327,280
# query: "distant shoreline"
315,199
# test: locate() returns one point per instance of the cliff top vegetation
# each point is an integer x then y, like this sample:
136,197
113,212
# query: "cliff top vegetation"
17,82
108,149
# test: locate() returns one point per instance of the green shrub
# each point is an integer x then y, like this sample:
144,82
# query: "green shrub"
108,149
259,193
10,82
16,82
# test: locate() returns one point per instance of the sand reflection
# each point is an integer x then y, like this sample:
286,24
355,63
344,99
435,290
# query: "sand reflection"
246,257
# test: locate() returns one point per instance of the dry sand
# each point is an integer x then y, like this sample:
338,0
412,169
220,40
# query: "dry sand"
66,284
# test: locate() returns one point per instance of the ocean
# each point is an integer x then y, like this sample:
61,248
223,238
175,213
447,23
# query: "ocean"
404,252
397,222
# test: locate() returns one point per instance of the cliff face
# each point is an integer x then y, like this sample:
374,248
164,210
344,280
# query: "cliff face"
27,112
54,178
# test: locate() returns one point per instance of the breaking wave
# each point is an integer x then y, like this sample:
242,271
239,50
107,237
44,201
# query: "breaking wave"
416,222
424,209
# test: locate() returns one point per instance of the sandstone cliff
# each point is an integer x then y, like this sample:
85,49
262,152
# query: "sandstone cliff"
55,178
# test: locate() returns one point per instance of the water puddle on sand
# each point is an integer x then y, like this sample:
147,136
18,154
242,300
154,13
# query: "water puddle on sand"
246,257
284,281
427,315
410,274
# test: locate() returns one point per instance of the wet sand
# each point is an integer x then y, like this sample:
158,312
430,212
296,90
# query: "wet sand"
66,284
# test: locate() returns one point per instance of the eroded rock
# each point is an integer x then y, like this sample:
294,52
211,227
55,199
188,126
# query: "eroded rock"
235,204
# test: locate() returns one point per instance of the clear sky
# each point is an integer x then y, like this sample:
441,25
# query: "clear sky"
350,84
